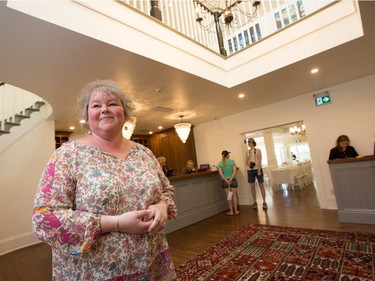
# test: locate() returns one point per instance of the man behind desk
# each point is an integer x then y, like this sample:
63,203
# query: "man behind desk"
189,168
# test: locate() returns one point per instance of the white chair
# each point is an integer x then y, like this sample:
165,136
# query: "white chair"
267,175
300,181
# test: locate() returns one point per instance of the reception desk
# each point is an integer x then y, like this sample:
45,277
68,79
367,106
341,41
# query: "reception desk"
354,185
198,196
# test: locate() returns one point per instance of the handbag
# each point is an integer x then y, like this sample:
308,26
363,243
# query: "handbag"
230,195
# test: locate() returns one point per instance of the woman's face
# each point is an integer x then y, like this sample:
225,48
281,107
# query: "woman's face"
343,144
105,113
250,143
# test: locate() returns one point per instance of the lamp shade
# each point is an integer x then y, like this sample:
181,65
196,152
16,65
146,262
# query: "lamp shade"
183,130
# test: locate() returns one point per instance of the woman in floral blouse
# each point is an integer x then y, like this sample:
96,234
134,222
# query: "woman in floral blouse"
103,201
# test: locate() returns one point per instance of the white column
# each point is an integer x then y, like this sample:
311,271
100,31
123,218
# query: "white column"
270,148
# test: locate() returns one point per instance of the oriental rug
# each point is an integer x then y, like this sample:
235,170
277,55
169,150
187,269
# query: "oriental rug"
275,253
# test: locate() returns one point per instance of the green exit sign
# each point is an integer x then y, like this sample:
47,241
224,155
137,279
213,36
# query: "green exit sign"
322,99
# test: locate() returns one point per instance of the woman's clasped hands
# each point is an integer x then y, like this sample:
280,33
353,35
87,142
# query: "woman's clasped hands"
144,221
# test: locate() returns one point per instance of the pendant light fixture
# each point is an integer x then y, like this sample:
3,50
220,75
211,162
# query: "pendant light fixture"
182,129
299,129
128,129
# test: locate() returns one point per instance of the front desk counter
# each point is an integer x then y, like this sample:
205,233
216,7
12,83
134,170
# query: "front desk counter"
354,185
198,196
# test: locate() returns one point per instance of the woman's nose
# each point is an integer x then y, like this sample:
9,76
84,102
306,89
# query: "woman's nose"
104,108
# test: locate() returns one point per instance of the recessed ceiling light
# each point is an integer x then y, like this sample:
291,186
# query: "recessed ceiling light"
159,89
314,70
71,128
82,121
160,127
150,132
241,95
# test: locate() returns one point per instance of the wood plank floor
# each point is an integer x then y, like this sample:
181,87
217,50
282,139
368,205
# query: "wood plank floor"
295,208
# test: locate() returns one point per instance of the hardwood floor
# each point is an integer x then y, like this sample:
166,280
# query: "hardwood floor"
295,208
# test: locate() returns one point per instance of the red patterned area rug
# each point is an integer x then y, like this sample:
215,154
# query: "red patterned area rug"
265,252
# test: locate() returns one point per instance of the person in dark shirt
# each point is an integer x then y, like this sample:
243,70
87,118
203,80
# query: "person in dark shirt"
189,168
342,149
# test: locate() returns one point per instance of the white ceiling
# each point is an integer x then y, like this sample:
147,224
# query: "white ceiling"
55,63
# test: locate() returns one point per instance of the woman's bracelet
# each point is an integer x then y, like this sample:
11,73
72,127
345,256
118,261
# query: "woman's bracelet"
116,229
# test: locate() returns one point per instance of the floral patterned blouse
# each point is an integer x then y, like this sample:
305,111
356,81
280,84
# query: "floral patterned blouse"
79,184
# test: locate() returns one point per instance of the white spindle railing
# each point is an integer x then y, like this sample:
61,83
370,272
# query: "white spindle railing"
14,101
271,17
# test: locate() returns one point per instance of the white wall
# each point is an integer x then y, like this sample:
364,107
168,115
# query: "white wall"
21,165
351,112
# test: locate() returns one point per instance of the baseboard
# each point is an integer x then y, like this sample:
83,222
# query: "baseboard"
365,216
17,242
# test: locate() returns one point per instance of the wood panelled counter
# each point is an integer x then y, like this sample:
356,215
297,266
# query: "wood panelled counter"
354,185
197,196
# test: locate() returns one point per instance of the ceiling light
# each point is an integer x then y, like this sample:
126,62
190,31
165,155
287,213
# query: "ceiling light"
159,89
212,16
71,128
314,70
299,129
82,121
160,127
182,129
128,129
241,96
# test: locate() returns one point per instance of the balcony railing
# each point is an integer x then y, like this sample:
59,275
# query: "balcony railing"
272,16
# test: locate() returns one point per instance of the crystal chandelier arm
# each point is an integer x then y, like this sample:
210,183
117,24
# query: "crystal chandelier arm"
208,27
229,8
250,15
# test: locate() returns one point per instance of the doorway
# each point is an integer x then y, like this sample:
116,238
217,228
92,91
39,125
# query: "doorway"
286,158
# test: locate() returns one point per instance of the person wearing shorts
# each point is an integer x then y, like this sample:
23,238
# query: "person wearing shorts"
227,170
255,172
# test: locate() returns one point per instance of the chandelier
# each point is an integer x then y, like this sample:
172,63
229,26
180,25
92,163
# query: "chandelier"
299,129
128,129
227,14
229,9
182,129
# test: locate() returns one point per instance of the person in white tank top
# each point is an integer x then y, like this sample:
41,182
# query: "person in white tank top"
255,172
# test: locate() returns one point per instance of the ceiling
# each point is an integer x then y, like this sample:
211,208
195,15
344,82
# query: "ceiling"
55,63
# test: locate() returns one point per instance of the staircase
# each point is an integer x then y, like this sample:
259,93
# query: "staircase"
18,117
16,105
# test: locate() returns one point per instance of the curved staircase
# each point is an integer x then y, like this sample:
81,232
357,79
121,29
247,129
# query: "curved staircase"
27,104
18,117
